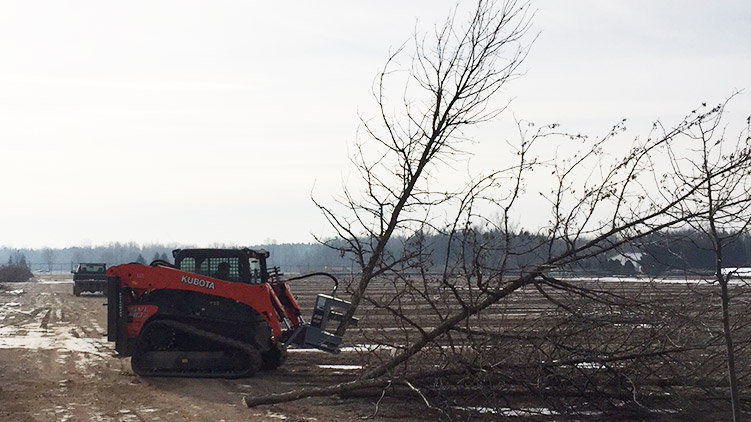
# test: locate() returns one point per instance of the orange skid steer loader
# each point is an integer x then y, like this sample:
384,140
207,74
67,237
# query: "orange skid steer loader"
214,313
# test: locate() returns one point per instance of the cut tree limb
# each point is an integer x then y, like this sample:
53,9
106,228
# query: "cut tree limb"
372,377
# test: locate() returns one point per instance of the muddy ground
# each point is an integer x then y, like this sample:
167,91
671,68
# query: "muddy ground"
56,365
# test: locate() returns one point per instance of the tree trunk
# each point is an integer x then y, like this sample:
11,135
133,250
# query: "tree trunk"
734,398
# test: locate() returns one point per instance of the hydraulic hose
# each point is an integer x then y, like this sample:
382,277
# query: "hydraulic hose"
331,276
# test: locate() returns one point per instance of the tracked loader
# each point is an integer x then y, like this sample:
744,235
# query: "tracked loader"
214,313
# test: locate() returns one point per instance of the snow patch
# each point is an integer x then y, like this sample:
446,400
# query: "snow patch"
55,281
705,280
273,415
739,271
354,348
342,367
97,327
32,337
510,413
596,365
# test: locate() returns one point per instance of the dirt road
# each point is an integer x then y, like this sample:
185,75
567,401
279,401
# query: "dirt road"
56,365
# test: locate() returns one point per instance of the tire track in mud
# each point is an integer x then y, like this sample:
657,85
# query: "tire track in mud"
68,361
45,320
18,316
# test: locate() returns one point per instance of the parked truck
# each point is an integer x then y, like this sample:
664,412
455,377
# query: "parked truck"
90,277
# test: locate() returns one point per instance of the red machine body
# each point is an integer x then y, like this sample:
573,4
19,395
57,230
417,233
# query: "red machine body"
142,279
214,313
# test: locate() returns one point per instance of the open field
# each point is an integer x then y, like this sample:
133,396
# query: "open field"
57,364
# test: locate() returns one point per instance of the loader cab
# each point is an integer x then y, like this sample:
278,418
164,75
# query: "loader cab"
236,265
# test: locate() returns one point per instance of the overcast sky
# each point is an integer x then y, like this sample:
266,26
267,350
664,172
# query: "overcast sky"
201,122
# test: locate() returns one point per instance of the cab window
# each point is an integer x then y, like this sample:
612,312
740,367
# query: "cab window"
222,268
188,265
255,271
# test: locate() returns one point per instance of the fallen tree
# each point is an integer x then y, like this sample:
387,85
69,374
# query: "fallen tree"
603,200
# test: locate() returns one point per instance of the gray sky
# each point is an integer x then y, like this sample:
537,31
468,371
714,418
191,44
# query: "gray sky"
210,122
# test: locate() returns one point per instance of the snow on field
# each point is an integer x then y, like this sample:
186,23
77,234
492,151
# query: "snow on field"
62,338
56,281
510,413
38,334
738,278
342,367
10,308
14,292
357,348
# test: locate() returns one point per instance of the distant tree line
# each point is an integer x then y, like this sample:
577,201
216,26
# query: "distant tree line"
689,251
111,254
289,257
667,252
664,253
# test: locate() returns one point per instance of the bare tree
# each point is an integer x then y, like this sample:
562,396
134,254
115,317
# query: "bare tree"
453,80
468,318
724,201
48,255
487,265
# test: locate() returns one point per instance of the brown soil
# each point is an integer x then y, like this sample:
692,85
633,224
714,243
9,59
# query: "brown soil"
57,365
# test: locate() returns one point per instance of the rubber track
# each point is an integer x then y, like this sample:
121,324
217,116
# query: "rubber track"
253,352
